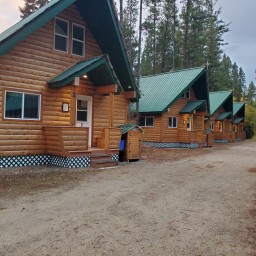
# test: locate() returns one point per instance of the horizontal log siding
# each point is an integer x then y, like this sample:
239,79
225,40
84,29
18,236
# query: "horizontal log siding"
27,68
120,110
19,140
152,134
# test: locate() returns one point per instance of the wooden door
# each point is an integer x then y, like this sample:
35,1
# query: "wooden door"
134,144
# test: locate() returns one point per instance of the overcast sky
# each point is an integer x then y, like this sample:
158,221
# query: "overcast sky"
242,37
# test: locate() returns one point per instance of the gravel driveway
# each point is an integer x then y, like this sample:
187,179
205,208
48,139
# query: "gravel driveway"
199,205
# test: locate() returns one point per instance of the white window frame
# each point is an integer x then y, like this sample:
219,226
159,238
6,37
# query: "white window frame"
212,125
22,107
145,117
172,117
73,39
67,37
186,94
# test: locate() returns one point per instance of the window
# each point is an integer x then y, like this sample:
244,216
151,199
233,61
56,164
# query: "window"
78,40
61,35
82,110
22,106
172,122
147,121
186,94
212,126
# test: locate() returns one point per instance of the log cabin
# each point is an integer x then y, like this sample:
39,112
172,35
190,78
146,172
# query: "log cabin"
238,120
173,108
65,86
221,115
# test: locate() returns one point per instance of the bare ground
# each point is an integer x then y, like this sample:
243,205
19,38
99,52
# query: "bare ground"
172,202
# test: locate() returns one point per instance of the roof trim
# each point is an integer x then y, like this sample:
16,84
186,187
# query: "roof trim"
81,68
238,120
223,116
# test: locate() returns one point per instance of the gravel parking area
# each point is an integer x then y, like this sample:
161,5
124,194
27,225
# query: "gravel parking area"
172,202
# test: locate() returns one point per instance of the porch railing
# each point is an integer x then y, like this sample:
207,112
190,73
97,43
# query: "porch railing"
65,140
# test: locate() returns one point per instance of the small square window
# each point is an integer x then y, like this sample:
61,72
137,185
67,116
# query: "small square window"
186,94
172,122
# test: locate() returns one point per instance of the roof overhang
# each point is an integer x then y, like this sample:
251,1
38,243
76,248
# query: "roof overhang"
99,70
238,120
223,116
193,105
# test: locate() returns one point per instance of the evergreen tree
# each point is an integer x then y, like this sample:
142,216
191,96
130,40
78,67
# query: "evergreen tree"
192,28
166,40
251,94
129,28
223,76
31,6
215,29
151,26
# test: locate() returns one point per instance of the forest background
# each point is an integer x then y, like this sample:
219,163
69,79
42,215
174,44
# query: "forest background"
165,35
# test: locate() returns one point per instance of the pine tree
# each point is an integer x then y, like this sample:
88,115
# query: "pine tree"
149,56
129,28
214,32
251,94
223,79
31,6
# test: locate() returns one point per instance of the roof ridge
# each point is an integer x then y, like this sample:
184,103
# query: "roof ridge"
173,71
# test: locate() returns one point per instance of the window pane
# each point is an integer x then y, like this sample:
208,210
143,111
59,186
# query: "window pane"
13,105
142,121
31,106
61,27
61,43
78,48
81,116
78,33
170,122
81,104
149,121
174,122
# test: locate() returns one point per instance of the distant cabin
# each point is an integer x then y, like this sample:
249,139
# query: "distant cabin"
174,107
238,120
221,120
65,86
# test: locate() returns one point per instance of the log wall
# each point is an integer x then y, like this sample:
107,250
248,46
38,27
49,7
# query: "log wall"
27,68
162,133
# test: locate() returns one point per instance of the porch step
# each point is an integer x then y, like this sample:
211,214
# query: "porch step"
100,160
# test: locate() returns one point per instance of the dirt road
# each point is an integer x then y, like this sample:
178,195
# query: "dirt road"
200,205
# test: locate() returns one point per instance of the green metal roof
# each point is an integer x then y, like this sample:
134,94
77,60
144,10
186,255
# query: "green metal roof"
101,18
159,92
223,116
239,108
217,99
128,127
238,120
193,105
98,69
